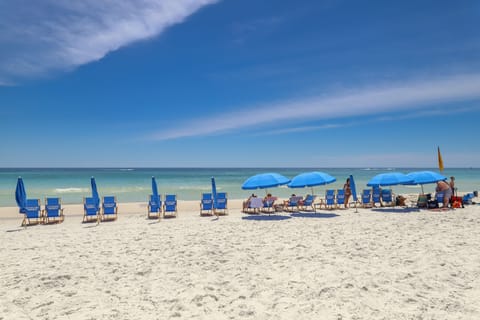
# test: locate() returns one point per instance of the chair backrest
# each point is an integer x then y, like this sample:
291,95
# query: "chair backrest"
268,202
207,201
154,203
256,203
340,196
330,197
32,208
387,195
170,202
439,197
422,201
366,196
308,201
90,206
52,207
376,194
221,200
109,204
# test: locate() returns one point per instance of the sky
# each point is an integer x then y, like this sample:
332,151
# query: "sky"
239,83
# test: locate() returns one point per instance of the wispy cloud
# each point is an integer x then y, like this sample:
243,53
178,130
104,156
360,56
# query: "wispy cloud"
38,37
371,100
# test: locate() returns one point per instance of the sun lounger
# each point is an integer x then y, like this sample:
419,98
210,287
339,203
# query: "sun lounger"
221,205
292,204
90,209
376,196
206,204
307,204
330,199
32,212
109,208
254,206
387,198
170,206
53,210
269,205
154,209
366,198
340,198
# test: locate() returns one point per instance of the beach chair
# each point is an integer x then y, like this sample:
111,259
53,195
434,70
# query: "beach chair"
439,197
154,208
292,204
222,204
422,201
206,204
330,199
32,212
376,196
307,204
366,198
387,198
170,206
109,208
269,204
340,198
53,210
90,209
254,205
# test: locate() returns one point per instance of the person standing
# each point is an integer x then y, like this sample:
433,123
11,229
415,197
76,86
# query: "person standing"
348,191
452,185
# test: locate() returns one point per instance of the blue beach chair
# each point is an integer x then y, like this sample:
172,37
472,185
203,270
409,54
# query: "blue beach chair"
340,198
206,205
292,203
269,204
154,209
170,206
376,196
109,208
307,204
90,209
32,212
387,198
330,199
222,204
366,198
53,210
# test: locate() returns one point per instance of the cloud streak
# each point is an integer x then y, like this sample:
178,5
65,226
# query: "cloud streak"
372,100
43,36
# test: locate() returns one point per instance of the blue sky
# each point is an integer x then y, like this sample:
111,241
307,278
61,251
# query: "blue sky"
205,83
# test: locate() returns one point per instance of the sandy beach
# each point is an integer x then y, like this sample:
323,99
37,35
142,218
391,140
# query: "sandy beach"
372,264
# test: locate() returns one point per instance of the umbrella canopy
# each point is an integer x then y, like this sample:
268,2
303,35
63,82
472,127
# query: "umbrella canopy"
389,179
353,188
94,191
155,191
425,177
214,193
311,179
265,180
21,195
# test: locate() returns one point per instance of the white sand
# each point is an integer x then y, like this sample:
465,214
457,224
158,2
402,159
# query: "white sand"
331,265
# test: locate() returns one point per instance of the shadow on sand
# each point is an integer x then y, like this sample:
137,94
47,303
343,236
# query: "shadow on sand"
395,210
273,217
313,215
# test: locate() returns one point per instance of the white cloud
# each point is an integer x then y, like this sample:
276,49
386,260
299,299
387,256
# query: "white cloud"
41,36
406,96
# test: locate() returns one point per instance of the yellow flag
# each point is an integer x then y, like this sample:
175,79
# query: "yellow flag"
440,161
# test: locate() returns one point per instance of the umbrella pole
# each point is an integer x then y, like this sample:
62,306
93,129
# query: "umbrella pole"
422,188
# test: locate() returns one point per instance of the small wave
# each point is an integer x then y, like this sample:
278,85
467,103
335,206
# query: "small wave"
127,169
71,190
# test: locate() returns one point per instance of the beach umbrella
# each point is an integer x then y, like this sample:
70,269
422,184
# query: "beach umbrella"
353,189
21,195
94,191
264,181
214,193
425,177
311,179
154,189
389,179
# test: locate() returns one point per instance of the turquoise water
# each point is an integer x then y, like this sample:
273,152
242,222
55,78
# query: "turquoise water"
134,185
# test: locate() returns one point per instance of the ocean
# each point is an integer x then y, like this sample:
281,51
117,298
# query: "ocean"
134,184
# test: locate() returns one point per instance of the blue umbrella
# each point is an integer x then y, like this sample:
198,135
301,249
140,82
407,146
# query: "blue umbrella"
94,191
265,180
389,179
21,195
214,193
353,189
311,179
425,177
155,190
